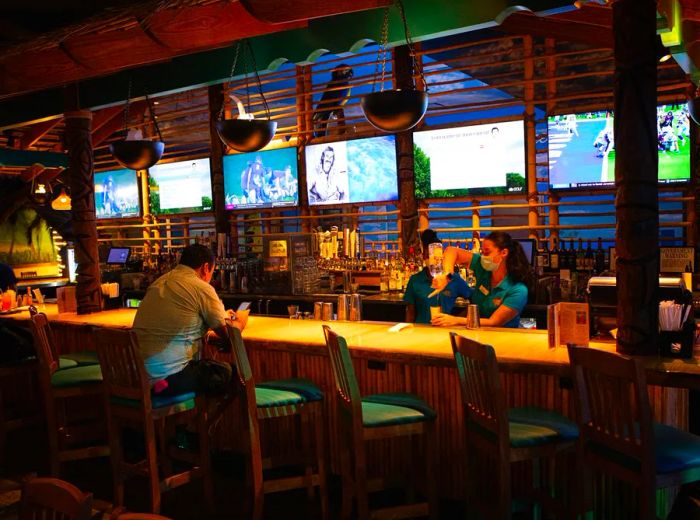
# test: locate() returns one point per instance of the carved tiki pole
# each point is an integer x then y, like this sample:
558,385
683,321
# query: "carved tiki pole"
81,178
636,166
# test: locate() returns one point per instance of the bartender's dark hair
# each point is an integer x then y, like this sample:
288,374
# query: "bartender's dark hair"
519,268
196,255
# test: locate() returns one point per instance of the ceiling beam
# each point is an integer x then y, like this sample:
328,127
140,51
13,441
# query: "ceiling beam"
107,128
597,36
31,172
104,116
32,136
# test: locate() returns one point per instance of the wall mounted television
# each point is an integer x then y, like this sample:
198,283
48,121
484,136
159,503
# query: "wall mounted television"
180,187
117,194
582,148
484,159
356,171
265,179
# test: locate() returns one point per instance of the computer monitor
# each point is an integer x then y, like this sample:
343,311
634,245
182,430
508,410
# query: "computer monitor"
72,266
529,248
118,255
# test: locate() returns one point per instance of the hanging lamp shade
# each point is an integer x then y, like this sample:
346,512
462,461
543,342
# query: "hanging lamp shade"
395,110
137,155
62,202
246,135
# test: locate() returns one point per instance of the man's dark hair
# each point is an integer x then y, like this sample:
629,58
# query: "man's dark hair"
195,256
427,237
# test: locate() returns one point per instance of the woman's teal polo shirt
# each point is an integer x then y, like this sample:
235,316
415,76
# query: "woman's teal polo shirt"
509,293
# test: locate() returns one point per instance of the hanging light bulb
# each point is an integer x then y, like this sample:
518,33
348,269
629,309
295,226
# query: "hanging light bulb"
62,202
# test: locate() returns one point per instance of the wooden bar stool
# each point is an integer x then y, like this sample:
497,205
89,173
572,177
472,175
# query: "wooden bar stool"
504,436
44,498
57,386
379,416
618,436
128,402
25,370
281,398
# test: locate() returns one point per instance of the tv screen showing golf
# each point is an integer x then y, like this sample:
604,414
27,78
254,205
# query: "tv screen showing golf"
261,179
180,187
582,147
485,159
361,170
116,194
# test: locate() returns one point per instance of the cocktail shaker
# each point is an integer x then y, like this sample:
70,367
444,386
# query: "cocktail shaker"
473,316
344,306
355,307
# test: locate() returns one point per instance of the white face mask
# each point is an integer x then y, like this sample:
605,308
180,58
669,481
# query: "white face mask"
488,263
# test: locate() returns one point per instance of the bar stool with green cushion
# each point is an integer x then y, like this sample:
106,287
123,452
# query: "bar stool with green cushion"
128,402
70,359
503,436
379,416
57,386
618,436
281,398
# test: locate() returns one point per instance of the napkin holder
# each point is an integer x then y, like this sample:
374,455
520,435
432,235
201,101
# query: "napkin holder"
678,343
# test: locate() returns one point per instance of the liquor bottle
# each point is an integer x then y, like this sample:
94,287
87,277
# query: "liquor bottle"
589,258
543,257
554,257
600,257
572,256
580,256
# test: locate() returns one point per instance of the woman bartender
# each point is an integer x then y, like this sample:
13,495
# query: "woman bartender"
502,278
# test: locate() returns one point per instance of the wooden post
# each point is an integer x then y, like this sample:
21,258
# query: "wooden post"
305,126
553,220
216,160
408,207
81,177
530,138
636,167
551,72
693,232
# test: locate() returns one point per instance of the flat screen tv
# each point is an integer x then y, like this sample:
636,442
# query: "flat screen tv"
180,187
360,170
582,148
485,159
261,179
117,194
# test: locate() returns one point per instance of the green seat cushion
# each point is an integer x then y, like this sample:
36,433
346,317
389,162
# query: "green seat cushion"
675,449
64,363
535,427
403,399
86,357
565,429
85,375
186,401
305,388
268,397
375,415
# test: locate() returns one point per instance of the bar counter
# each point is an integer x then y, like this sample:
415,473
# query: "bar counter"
417,359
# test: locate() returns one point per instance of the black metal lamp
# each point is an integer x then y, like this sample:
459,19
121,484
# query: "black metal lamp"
138,154
395,110
244,133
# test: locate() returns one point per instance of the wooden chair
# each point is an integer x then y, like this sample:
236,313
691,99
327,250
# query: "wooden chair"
128,401
618,436
57,386
282,398
50,498
25,371
380,416
503,436
121,514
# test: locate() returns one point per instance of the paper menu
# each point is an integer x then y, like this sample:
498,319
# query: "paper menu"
568,323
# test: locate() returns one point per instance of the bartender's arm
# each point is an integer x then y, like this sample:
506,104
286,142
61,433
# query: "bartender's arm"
500,317
451,256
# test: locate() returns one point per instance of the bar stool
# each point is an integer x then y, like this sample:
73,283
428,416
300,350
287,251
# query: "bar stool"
26,369
380,416
280,398
128,401
57,386
54,498
505,436
618,436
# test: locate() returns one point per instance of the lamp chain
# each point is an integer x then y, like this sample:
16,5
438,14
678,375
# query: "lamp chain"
126,109
230,76
257,78
409,44
381,53
153,118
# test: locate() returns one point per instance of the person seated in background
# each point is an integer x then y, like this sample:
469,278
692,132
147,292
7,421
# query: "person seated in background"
419,287
171,322
8,280
503,275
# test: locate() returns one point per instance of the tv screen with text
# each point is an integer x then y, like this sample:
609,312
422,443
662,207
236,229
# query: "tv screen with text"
180,187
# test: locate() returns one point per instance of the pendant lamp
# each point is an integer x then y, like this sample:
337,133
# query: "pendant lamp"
138,154
62,202
245,133
395,110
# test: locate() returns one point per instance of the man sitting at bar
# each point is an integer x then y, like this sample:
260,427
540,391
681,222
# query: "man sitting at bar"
419,287
7,277
171,322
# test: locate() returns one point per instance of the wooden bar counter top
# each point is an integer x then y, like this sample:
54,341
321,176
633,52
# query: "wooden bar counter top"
417,359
